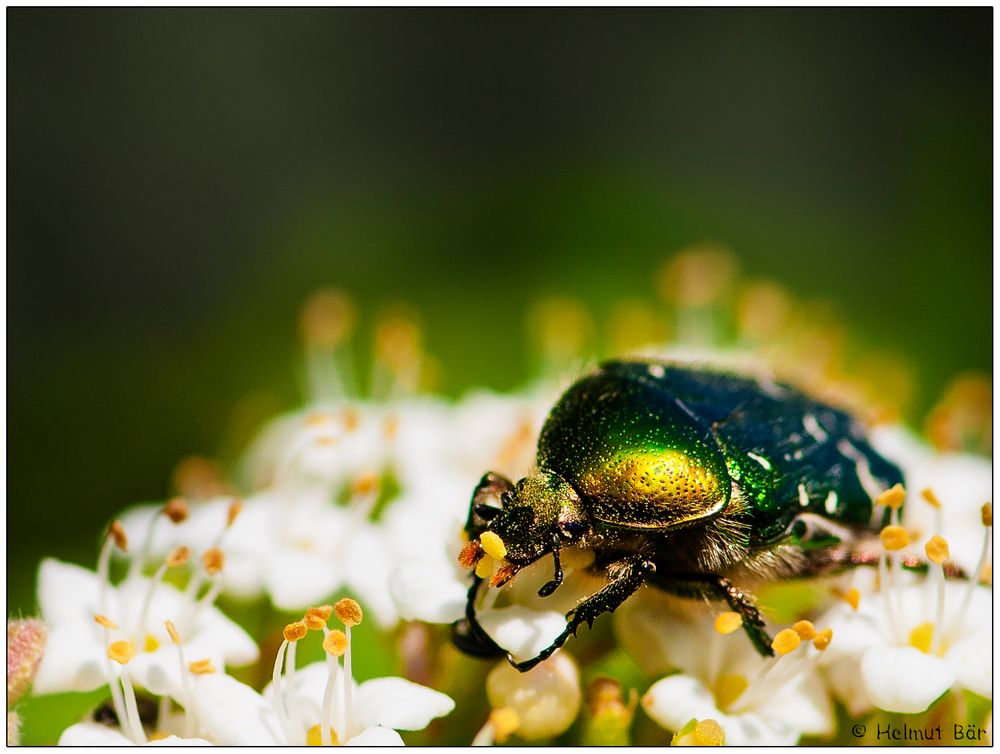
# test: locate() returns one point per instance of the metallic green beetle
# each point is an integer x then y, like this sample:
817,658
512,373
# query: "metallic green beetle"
687,479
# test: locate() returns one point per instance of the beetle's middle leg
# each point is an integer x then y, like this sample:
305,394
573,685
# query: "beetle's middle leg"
629,573
713,585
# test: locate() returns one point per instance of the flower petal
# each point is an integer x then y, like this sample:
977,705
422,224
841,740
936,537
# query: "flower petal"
233,714
400,704
904,679
676,699
93,734
72,661
67,593
429,592
522,631
376,736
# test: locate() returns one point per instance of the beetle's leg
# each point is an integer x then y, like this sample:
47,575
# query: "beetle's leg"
468,635
719,587
631,572
557,577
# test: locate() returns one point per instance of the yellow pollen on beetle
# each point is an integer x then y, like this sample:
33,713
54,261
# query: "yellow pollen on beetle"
894,537
121,651
708,733
729,688
117,532
201,667
294,631
176,510
213,559
937,549
470,552
150,643
314,736
335,642
805,629
987,514
505,722
922,637
366,484
493,545
932,499
348,612
172,631
178,557
235,508
786,641
823,639
853,598
106,622
726,623
485,566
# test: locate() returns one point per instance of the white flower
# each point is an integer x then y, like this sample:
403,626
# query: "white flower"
95,734
546,699
75,659
900,657
755,701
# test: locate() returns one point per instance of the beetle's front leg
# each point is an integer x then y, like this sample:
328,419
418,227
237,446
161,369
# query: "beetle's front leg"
468,635
631,572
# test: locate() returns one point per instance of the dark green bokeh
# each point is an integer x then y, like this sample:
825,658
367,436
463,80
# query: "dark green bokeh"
179,179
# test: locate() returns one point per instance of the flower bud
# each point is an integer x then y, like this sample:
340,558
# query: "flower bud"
546,698
25,645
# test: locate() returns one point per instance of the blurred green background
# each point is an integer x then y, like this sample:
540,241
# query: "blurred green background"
178,181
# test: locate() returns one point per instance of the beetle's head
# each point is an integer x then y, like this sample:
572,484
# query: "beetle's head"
539,514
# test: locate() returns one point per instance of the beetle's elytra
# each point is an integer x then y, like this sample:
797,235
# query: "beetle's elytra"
689,479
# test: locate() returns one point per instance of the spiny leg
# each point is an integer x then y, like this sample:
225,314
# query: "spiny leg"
631,571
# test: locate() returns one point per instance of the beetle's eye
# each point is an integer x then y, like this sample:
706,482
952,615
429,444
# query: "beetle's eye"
486,512
505,499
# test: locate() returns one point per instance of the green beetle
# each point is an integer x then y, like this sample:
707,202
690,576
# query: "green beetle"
684,478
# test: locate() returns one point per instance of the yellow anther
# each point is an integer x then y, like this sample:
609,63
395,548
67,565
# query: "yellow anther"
178,557
176,510
786,641
493,545
294,631
318,419
327,318
729,688
485,566
937,549
235,508
213,559
922,637
894,537
366,484
390,427
398,340
987,514
117,532
172,630
726,623
708,733
314,736
928,495
348,612
316,617
470,553
853,598
352,418
150,644
335,642
823,639
805,629
892,497
106,622
201,667
505,722
121,651
159,735
198,478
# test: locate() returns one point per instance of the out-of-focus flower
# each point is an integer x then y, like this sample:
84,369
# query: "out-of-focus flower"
317,704
546,698
86,613
95,734
755,701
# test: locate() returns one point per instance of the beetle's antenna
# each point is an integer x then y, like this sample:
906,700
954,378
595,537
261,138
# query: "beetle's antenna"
557,577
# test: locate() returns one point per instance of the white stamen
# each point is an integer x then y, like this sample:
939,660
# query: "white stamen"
347,728
884,589
326,717
104,572
814,429
140,557
116,693
958,620
279,702
207,599
485,736
830,504
938,638
148,601
803,496
132,709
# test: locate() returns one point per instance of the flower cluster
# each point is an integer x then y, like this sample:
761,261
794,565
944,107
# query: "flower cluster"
232,613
